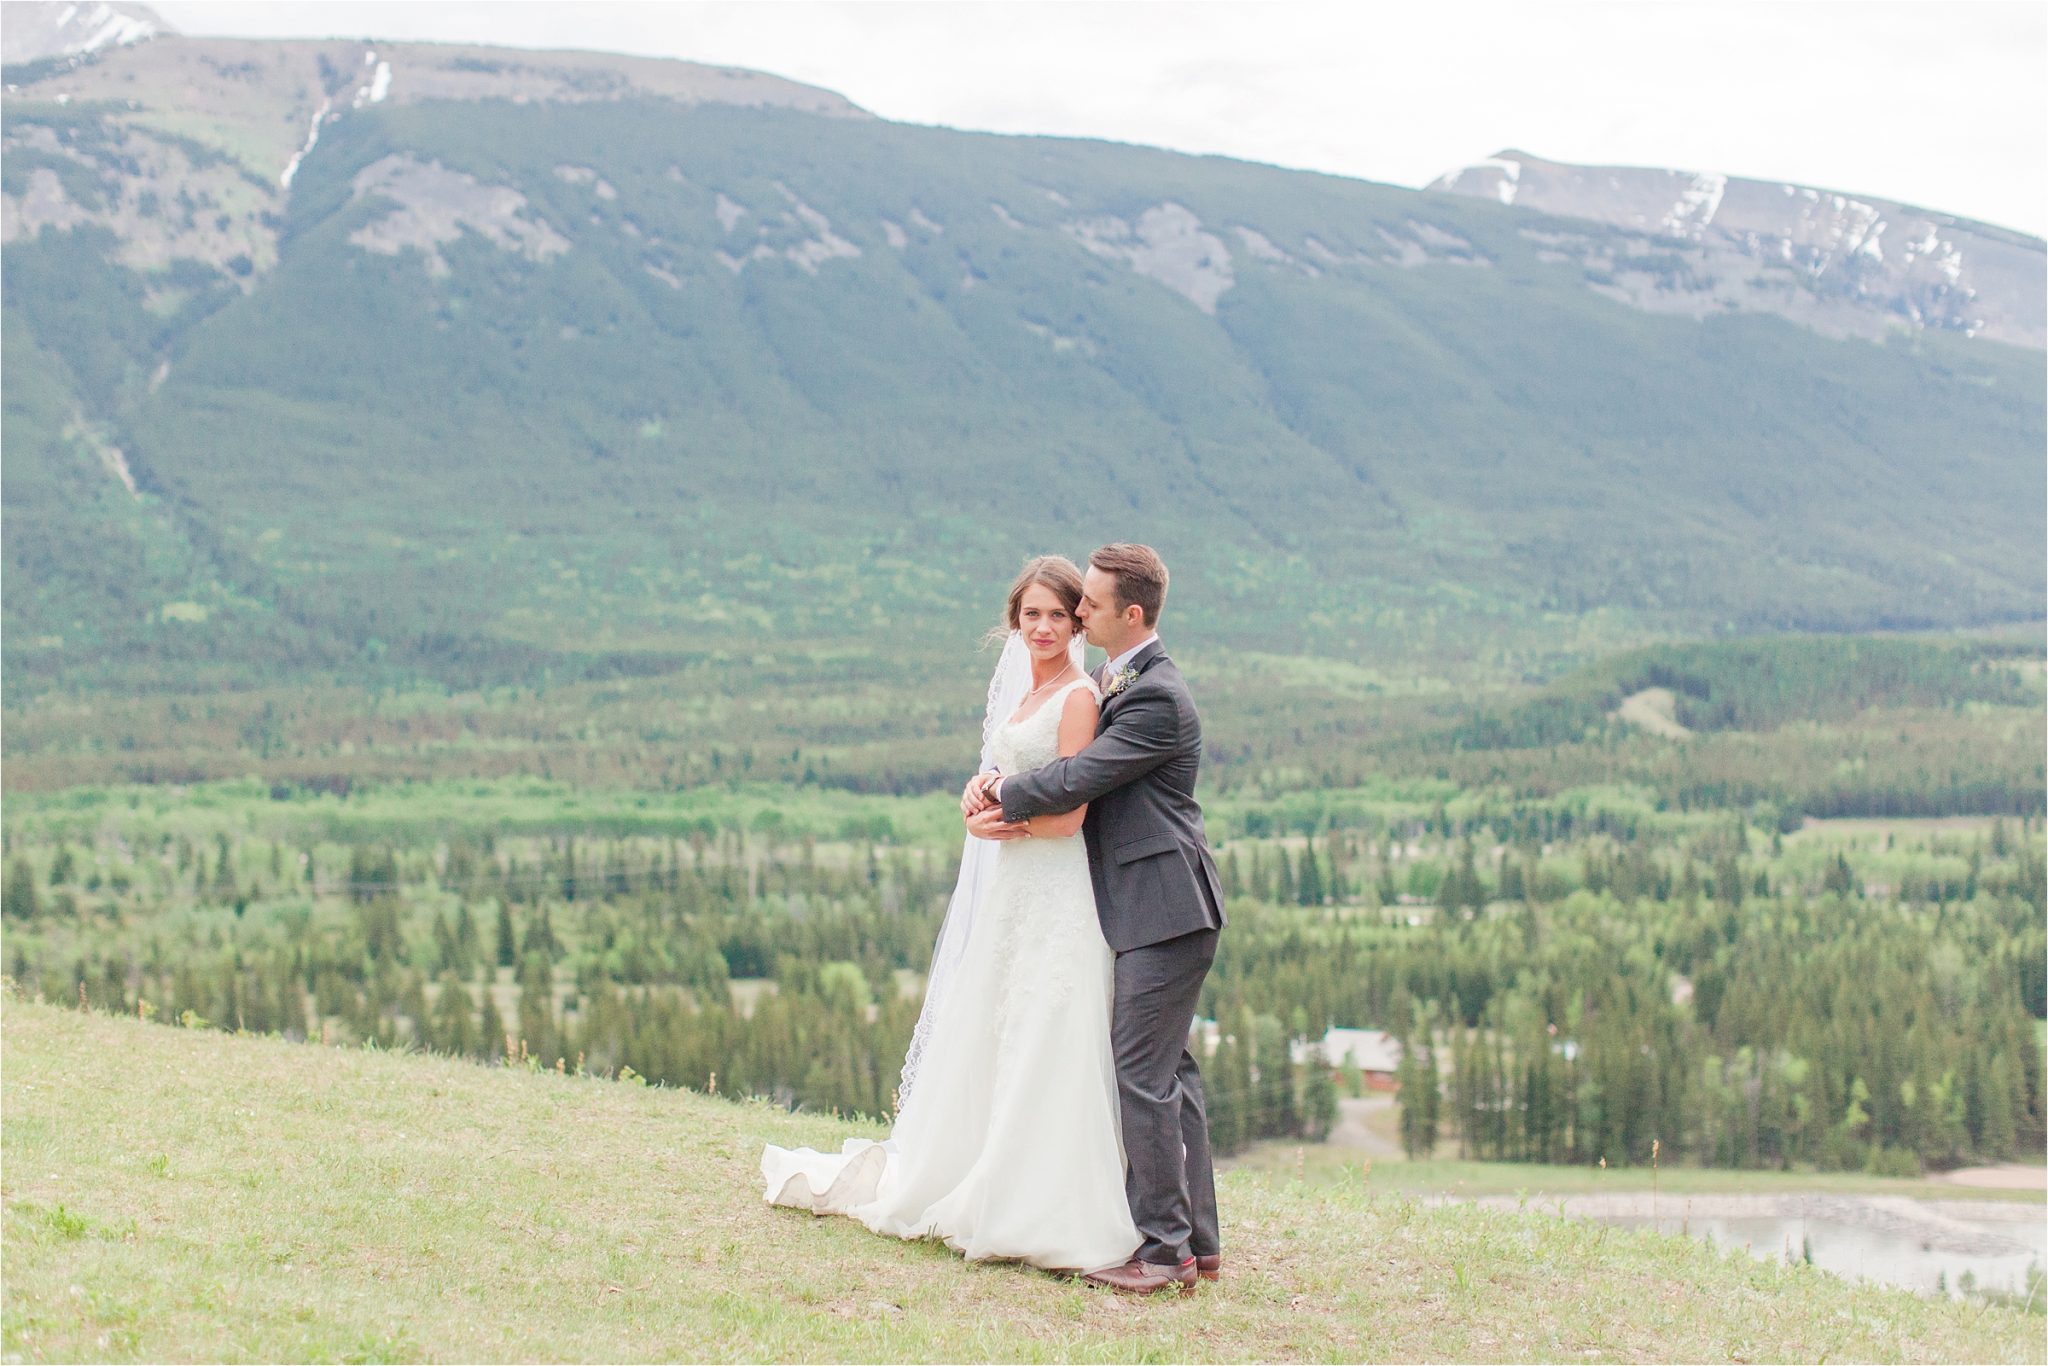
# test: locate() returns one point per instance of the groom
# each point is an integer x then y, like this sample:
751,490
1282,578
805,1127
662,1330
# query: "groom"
1159,900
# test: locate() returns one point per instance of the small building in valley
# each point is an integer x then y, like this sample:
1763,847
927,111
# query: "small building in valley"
1374,1053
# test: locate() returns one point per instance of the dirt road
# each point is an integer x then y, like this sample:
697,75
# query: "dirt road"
1353,1130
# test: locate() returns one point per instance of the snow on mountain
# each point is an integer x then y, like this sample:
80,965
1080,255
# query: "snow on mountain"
39,30
197,143
1702,242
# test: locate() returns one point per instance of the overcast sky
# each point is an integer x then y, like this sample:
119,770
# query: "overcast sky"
1941,104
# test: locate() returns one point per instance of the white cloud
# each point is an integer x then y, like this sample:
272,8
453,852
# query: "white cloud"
1940,104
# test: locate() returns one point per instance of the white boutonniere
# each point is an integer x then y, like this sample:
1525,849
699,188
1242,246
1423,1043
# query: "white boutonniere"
1118,681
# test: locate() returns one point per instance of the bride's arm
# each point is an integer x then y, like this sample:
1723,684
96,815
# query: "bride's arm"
1077,728
1144,734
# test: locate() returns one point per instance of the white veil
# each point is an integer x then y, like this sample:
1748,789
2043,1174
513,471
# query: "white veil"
1008,686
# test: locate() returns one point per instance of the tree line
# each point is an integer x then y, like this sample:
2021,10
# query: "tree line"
1598,994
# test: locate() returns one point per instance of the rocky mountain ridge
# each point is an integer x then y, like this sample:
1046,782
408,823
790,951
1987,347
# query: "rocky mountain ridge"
186,149
218,129
37,31
1697,243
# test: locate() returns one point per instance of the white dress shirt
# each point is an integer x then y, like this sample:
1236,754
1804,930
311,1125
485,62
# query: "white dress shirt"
1110,669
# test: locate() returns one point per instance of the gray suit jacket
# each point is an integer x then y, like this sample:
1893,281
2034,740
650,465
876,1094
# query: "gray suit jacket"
1154,877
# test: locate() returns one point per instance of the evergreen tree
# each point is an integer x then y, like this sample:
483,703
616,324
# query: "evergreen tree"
1309,886
230,1007
446,955
1996,1138
455,1029
1461,892
1228,1088
508,937
537,1007
1416,1096
1340,852
187,996
1513,883
224,888
291,1013
491,1032
413,1005
371,873
540,937
383,939
20,899
1276,1113
1318,1097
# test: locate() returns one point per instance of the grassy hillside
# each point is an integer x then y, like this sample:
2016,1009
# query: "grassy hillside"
185,1195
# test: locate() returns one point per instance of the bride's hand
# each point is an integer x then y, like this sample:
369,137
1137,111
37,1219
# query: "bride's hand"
975,796
989,825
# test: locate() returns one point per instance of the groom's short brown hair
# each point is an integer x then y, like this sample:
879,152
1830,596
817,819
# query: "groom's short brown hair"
1140,577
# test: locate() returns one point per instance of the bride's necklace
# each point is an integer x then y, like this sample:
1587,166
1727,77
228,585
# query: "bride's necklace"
1060,677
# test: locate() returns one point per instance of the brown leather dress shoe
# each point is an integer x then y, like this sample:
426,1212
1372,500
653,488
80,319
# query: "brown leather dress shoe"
1210,1268
1145,1278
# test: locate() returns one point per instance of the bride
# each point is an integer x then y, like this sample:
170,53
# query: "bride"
1006,1141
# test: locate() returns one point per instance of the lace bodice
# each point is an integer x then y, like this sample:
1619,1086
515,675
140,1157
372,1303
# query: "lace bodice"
1041,918
1034,742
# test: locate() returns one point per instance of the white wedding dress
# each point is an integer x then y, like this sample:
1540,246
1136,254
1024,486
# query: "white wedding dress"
1008,1144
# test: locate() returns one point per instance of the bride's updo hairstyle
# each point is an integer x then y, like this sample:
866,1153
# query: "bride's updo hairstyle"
1056,572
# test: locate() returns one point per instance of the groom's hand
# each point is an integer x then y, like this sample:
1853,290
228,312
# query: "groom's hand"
988,824
975,797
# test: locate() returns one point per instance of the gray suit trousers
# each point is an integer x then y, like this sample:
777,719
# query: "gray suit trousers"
1169,1180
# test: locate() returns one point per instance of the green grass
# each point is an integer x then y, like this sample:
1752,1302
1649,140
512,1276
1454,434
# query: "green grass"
176,1195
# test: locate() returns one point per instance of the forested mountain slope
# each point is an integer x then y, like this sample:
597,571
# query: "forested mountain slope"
324,353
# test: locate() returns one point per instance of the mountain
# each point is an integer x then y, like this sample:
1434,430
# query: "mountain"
320,354
32,32
1697,243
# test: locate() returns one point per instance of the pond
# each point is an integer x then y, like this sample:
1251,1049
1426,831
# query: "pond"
1943,1246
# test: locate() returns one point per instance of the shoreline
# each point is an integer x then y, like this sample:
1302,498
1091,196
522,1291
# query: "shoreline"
1944,1225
